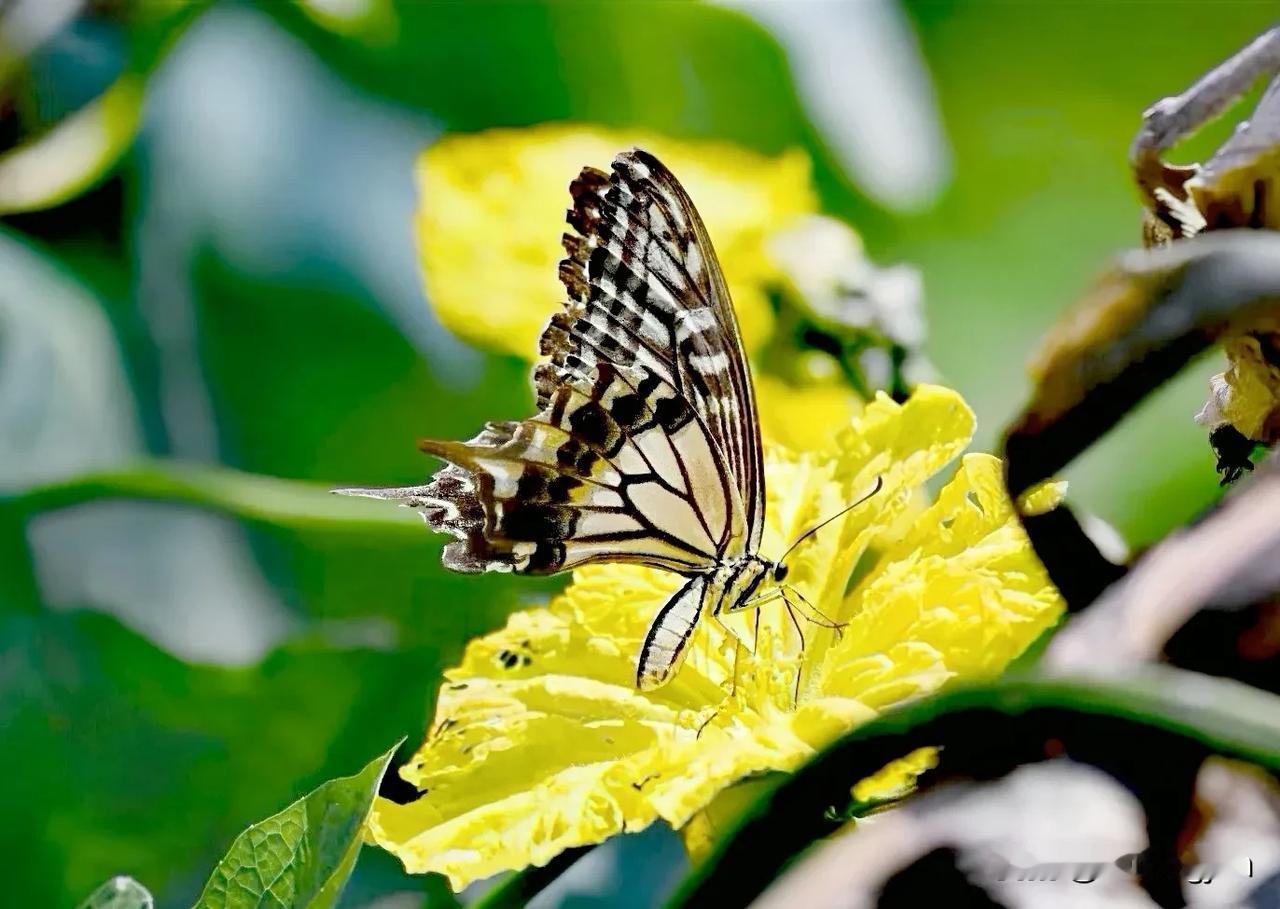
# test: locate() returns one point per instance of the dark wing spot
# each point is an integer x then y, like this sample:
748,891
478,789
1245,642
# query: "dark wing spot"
591,423
568,452
558,489
671,413
627,409
601,259
547,557
532,483
537,522
648,383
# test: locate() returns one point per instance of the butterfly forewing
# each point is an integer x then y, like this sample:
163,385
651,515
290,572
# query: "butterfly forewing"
645,286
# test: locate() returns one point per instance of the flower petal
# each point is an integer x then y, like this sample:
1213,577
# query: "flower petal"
897,778
1248,392
542,743
903,445
809,417
963,582
540,738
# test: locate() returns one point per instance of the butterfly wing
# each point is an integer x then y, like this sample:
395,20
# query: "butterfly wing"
607,471
645,287
645,447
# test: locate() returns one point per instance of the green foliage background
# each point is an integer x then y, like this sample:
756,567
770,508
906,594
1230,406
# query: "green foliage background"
118,757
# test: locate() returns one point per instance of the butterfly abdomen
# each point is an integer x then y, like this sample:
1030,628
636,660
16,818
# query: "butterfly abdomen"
722,589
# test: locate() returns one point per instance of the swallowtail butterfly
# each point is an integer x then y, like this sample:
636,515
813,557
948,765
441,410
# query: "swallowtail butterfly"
646,444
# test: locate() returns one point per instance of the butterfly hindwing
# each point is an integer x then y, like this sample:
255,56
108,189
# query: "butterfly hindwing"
612,469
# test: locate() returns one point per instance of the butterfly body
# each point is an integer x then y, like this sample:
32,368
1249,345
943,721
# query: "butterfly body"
728,587
646,445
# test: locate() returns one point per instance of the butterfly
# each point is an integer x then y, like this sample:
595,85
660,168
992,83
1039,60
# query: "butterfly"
646,444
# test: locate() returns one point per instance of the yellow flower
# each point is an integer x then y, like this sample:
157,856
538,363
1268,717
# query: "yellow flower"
541,741
492,213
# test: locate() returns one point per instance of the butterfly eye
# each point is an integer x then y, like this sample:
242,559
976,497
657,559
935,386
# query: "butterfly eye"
780,572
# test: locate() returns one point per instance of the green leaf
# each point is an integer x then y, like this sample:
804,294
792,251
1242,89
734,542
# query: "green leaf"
132,761
296,398
300,858
55,161
990,722
119,893
355,559
640,65
370,20
19,591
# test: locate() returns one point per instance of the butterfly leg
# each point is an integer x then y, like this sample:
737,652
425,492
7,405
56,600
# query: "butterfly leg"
822,620
795,623
755,603
713,619
738,648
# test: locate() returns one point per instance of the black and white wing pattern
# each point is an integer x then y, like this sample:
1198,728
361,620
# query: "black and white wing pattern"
645,447
646,289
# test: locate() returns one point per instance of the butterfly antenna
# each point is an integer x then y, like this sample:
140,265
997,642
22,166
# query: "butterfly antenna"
841,513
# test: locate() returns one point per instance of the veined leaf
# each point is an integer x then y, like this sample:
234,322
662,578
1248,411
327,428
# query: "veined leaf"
300,858
228,744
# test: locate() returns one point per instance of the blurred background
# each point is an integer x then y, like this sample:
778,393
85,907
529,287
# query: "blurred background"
207,254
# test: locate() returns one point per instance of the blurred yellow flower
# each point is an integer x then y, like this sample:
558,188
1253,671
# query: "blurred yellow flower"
1247,394
492,212
541,741
806,417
